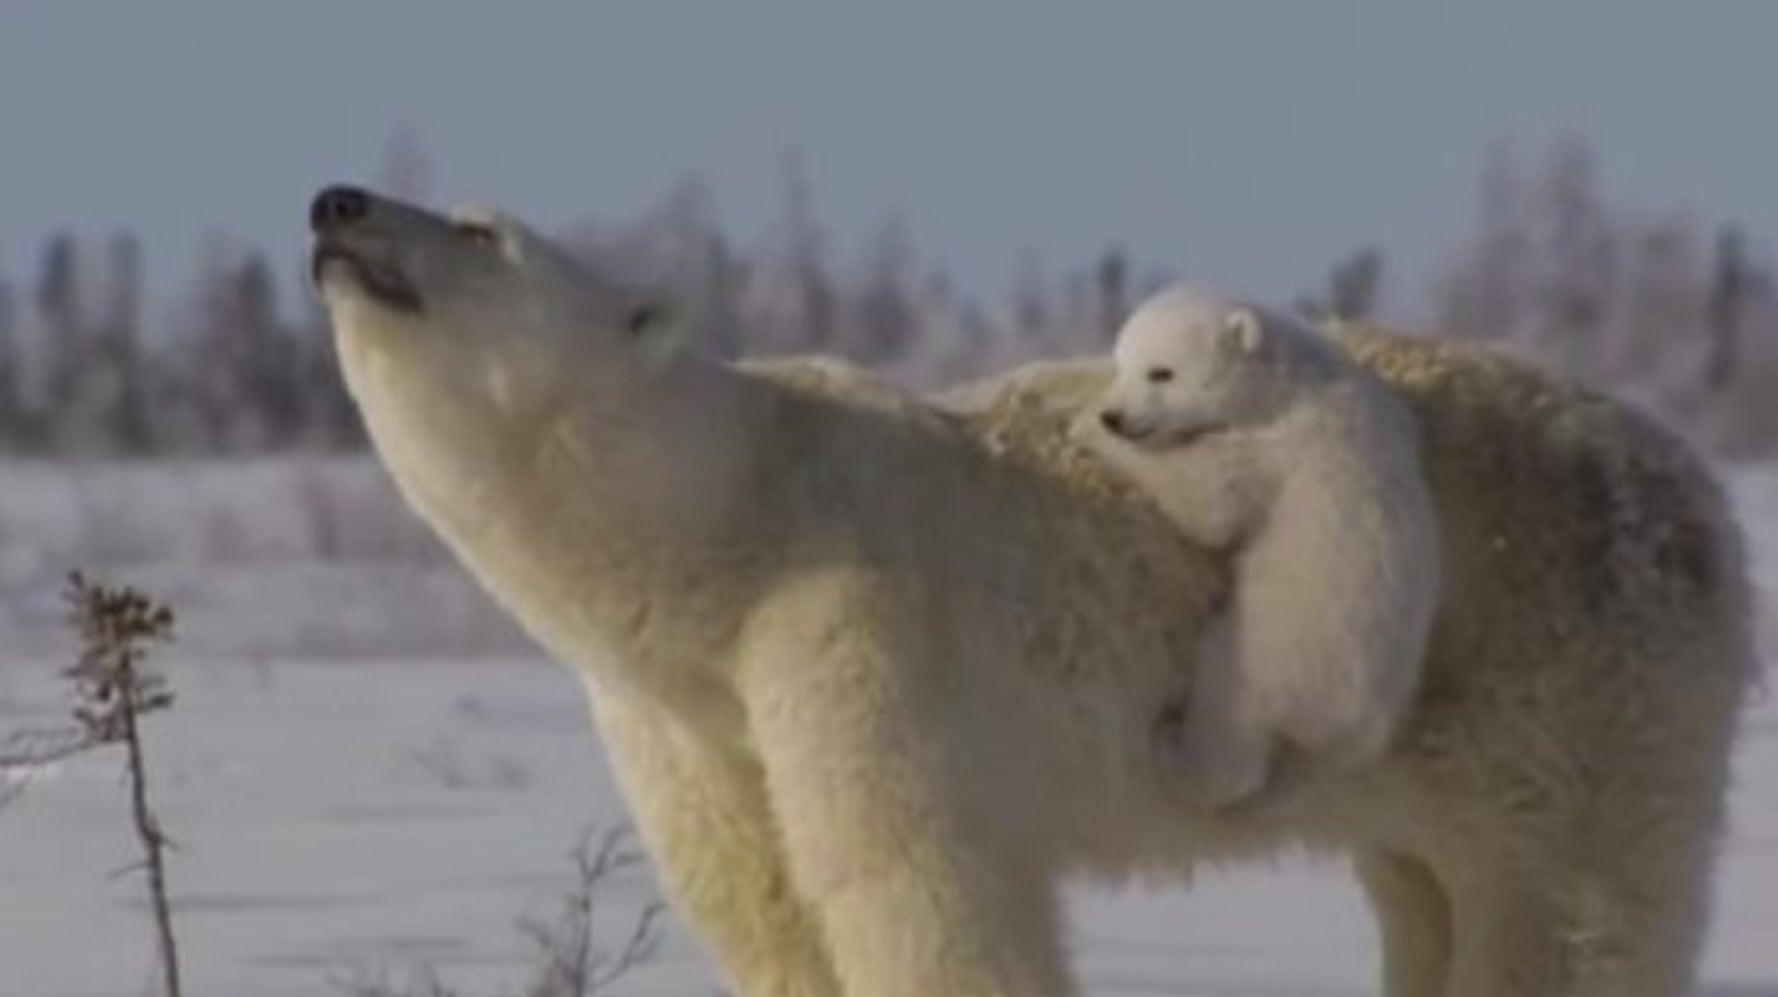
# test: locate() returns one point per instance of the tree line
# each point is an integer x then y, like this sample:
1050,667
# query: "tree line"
1679,315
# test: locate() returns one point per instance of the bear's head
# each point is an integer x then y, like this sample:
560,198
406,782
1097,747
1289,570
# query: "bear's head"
476,309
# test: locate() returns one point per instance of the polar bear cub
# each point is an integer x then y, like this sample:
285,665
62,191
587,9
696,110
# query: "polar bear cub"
1251,430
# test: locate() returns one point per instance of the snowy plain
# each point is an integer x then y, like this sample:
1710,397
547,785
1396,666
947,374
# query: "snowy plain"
367,768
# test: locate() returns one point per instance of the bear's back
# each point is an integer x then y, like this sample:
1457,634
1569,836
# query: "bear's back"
1579,534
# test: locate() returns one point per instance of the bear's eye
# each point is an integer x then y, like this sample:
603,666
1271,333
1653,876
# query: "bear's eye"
1159,375
479,232
641,318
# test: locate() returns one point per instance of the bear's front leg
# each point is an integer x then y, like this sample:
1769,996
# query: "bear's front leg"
917,894
701,812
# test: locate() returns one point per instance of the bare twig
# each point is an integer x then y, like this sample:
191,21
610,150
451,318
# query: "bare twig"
570,961
113,693
25,754
572,964
41,747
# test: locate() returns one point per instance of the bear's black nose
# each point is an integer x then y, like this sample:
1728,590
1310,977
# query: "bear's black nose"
337,207
1112,419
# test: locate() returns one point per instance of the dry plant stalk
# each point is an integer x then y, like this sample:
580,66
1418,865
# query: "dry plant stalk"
24,753
570,960
112,694
572,964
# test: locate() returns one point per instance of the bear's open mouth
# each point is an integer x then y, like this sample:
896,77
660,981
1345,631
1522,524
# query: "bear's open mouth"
1169,437
382,280
1185,435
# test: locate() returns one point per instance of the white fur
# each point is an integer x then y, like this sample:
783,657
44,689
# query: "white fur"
1248,428
875,677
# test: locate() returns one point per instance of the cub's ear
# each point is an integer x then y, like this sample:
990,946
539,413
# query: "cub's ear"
654,325
1245,330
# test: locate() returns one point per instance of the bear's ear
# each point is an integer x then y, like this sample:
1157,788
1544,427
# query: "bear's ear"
653,325
1245,330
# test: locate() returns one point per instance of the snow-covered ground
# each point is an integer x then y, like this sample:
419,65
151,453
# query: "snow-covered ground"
335,811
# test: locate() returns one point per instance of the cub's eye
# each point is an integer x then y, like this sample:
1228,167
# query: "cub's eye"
1159,375
479,232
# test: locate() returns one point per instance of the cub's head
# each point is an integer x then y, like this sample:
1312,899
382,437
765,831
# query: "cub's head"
475,312
1190,361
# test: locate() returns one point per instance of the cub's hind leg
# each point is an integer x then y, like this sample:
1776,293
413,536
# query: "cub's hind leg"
1215,748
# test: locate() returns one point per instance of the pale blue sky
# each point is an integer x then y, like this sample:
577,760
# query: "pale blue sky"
1242,141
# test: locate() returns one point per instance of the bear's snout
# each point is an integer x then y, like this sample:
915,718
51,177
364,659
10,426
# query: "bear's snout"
337,207
1113,420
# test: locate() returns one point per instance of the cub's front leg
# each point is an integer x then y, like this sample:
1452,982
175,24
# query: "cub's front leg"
1214,489
917,895
701,812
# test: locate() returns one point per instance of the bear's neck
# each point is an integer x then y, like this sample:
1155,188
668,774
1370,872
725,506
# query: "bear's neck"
616,520
675,464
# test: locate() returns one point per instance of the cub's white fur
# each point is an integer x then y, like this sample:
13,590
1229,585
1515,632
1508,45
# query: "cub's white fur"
1252,430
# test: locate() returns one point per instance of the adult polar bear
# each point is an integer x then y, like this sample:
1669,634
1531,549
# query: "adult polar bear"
874,676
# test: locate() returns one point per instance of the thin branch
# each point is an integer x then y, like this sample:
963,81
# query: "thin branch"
570,962
640,947
25,754
112,696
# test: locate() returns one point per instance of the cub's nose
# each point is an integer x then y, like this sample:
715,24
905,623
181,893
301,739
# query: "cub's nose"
337,207
1112,420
